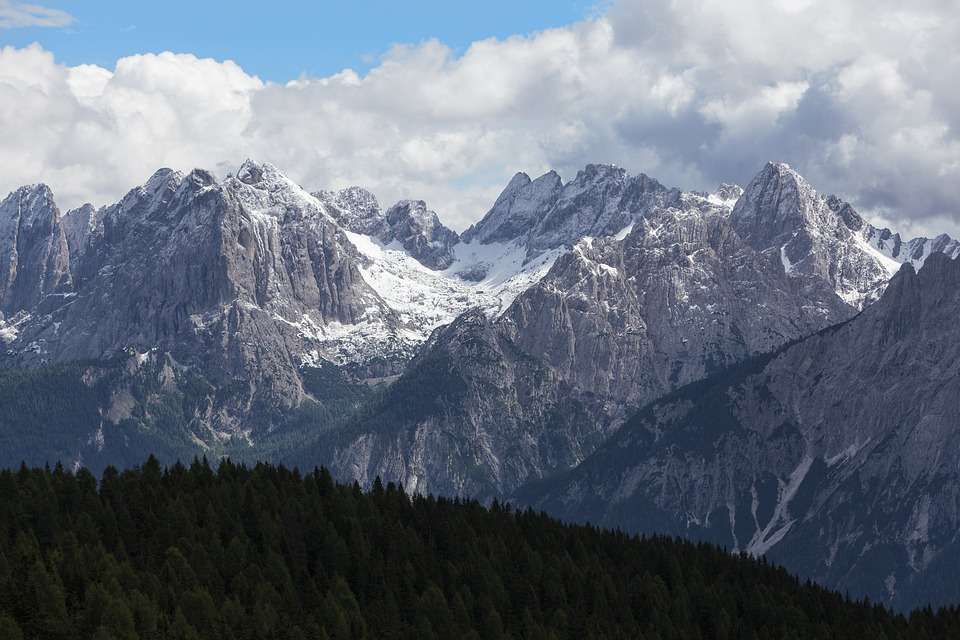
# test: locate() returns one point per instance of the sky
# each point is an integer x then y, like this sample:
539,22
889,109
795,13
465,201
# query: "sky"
445,102
281,41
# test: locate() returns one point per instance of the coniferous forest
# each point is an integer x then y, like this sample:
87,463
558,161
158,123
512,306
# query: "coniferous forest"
193,552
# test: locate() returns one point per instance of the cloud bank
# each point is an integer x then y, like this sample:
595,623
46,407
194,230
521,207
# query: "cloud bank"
861,97
14,15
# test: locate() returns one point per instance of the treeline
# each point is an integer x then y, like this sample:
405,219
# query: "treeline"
265,552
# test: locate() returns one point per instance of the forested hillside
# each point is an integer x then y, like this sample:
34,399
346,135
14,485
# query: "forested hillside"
265,552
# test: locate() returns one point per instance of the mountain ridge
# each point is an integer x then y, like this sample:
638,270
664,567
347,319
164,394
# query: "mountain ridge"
839,441
332,277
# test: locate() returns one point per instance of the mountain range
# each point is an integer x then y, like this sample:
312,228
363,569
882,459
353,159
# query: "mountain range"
758,366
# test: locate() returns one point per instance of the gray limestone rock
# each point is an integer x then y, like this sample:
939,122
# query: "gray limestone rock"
239,278
614,324
421,233
34,257
835,455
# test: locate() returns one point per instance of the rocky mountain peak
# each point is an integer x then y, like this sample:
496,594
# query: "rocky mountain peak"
939,278
780,213
595,172
35,198
250,172
162,181
155,193
917,249
729,193
263,176
519,180
777,203
357,210
34,258
601,200
917,300
518,209
359,200
421,233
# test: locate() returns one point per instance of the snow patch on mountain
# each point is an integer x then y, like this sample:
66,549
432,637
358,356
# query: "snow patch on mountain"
785,261
889,264
10,327
488,276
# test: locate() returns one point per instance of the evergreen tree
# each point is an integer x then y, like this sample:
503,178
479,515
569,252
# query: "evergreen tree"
238,553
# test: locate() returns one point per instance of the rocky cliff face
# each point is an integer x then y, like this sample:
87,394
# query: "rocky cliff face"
420,232
601,200
476,413
518,209
239,278
415,228
78,224
616,322
34,258
835,455
780,213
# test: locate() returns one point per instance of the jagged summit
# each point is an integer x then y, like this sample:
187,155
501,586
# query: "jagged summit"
938,278
420,232
519,180
913,294
600,171
776,204
811,234
253,276
545,213
251,172
518,208
32,193
357,210
728,193
34,258
160,178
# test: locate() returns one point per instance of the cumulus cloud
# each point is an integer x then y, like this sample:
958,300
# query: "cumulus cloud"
860,96
18,14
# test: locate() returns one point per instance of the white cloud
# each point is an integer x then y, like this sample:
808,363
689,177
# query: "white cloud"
18,14
860,96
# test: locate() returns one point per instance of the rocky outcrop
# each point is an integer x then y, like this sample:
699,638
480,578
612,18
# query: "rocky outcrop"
356,210
34,257
832,455
517,210
78,225
417,229
420,232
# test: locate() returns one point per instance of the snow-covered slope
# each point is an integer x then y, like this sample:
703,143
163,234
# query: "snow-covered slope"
488,277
